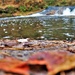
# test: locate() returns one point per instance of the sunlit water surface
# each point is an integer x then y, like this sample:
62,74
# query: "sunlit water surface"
41,27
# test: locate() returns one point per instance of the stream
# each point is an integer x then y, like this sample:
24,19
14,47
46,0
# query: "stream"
41,25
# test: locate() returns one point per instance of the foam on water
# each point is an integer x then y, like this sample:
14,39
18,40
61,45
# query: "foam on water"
37,14
67,11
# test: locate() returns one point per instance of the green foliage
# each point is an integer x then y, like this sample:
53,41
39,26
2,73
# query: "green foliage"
10,9
17,1
36,7
30,8
46,6
22,8
50,2
63,2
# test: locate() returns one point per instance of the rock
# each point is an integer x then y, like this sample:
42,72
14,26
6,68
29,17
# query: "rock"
10,43
52,12
23,40
71,49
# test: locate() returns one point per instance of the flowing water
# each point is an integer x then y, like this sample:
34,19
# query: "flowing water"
58,26
40,26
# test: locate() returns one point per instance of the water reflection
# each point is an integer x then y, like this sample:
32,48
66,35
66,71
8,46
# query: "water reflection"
45,27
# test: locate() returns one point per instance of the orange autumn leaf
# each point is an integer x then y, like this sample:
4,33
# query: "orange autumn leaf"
49,62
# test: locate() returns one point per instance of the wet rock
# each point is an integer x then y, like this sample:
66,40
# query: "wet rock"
23,40
10,43
52,12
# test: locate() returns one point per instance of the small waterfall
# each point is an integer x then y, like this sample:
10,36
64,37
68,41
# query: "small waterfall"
67,11
64,11
73,12
57,11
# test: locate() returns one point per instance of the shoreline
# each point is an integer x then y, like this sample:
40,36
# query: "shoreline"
3,15
33,44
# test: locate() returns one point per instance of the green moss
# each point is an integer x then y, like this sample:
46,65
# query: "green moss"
22,8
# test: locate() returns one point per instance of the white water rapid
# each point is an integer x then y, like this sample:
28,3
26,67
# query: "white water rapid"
56,11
